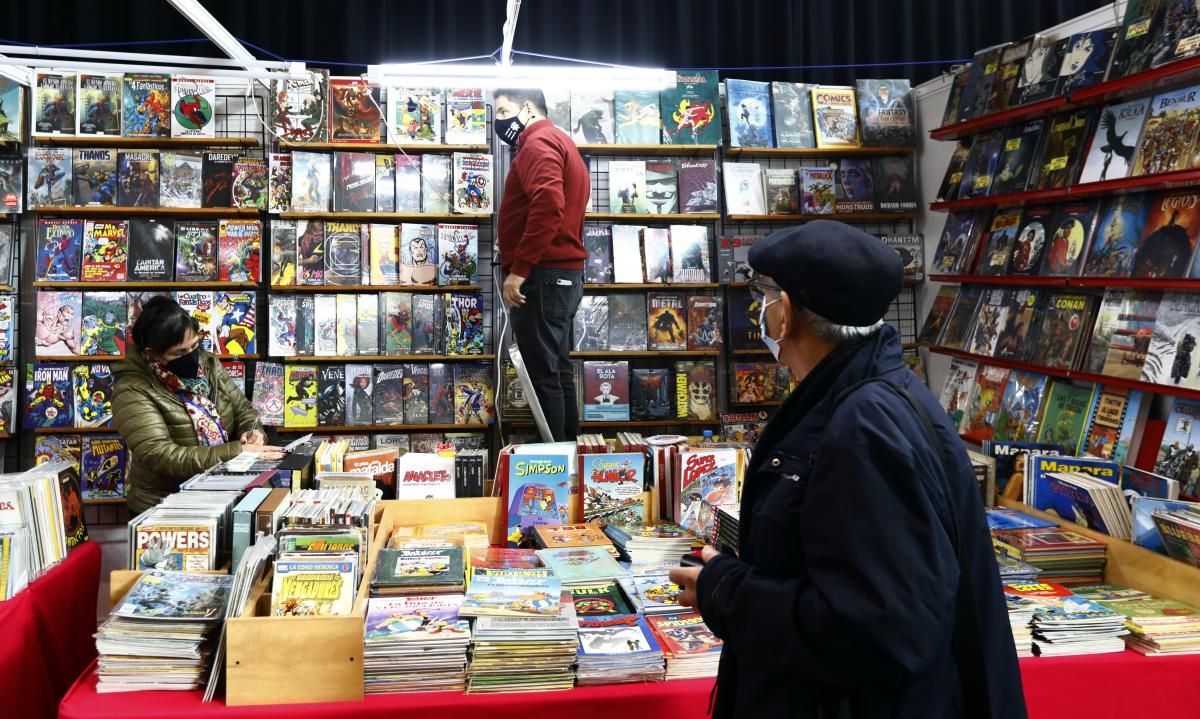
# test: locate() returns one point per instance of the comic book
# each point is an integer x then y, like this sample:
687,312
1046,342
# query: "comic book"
240,250
279,182
193,106
48,392
744,193
312,180
12,185
835,116
105,251
53,105
50,177
1169,240
1176,456
691,112
414,115
704,322
1029,247
1138,38
300,396
355,110
708,480
662,187
1063,330
94,176
299,107
57,448
281,311
59,247
651,395
472,176
980,79
748,382
993,312
627,328
466,116
385,183
146,105
180,178
368,325
782,192
817,196
310,252
666,321
354,186
196,251
396,317
1025,309
606,391
697,185
474,391
418,254
387,393
1018,155
792,108
458,255
1169,135
695,390
956,249
343,253
952,180
636,118
283,253
250,183
234,324
939,313
427,324
591,324
92,393
895,184
358,395
1008,74
690,254
537,494
656,246
408,183
886,117
8,336
12,103
345,325
236,369
465,333
331,395
1123,332
1065,420
982,166
267,397
961,322
748,105
435,184
442,393
1121,223
103,324
1115,141
998,243
1170,358
1066,141
743,321
591,116
305,327
1117,414
416,393
984,407
1039,73
956,393
137,178
733,258
597,239
1020,407
102,466
1069,234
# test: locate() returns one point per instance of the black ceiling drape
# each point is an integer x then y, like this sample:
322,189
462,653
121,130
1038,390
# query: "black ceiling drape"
665,33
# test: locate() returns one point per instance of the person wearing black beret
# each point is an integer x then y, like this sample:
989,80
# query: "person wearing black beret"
865,585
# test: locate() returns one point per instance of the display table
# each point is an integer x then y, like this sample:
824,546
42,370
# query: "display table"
1115,686
46,634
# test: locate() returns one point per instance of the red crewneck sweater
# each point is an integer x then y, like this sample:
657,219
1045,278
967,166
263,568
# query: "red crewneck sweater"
545,198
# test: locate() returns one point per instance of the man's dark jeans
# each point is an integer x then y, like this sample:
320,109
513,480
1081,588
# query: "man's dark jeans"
544,330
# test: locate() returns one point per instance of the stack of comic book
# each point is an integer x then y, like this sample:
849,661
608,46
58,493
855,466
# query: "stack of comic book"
415,643
653,593
618,649
1066,624
651,542
691,649
158,636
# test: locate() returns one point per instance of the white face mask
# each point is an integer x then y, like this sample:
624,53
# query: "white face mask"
772,345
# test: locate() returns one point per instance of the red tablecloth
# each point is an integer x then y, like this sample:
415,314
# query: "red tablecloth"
46,634
1117,686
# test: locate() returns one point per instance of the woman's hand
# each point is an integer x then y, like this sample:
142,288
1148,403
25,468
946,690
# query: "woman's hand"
254,436
264,451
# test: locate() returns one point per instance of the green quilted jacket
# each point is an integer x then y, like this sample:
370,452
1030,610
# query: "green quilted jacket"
162,443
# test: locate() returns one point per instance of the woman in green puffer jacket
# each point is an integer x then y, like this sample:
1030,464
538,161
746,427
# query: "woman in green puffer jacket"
176,407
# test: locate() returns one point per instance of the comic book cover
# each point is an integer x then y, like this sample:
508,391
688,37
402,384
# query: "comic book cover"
749,380
697,186
708,481
993,312
743,321
1086,59
980,79
415,115
12,103
427,324
354,190
695,390
48,402
1025,309
368,325
854,185
300,396
311,182
958,84
92,386
416,393
387,394
472,183
343,253
656,246
1122,335
53,106
331,395
57,448
952,180
8,251
299,109
12,185
435,184
1171,358
1008,74
458,254
180,178
956,393
102,466
662,187
474,390
59,250
1018,155
146,105
408,183
196,251
441,399
8,338
199,304
835,116
895,184
418,254
538,486
239,249
1169,135
636,117
689,254
597,239
606,391
956,249
1169,239
466,116
50,177
939,313
355,110
750,113
384,251
281,311
962,318
591,324
1063,330
306,326
744,194
591,116
792,110
886,117
250,183
704,322
193,106
358,395
817,195
1176,456
385,183
283,253
691,113
666,321
1029,247
279,182
103,324
138,299
345,325
612,488
1118,231
1138,38
234,323
216,178
1020,407
651,395
137,178
984,407
1118,410
1072,233
1066,141
981,167
627,328
998,244
94,177
627,254
1039,74
236,369
1180,36
105,250
1115,141
267,397
733,258
465,334
782,192
310,252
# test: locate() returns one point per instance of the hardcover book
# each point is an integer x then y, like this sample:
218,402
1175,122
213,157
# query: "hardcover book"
697,186
415,115
591,117
355,112
466,116
662,187
998,245
217,179
895,184
1138,37
1169,135
146,105
1169,240
196,251
1115,142
458,255
105,250
1018,156
311,180
1063,329
193,106
239,249
1066,141
636,117
180,182
53,104
1119,229
151,251
886,116
1123,331
606,391
299,107
666,321
343,253
835,116
472,183
59,250
95,178
1030,244
750,113
691,113
1070,233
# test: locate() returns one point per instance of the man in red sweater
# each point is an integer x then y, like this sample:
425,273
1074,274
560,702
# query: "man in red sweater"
541,248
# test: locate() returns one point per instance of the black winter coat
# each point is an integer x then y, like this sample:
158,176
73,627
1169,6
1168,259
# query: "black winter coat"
848,599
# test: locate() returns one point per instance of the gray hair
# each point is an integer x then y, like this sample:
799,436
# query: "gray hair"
835,333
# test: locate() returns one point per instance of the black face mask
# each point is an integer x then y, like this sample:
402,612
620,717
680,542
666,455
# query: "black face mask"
187,366
509,129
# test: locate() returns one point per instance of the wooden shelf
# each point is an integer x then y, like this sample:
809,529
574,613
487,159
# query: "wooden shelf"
653,286
614,354
771,403
6,435
637,423
74,430
46,284
408,149
165,143
1140,283
100,501
644,217
333,289
815,152
422,217
122,212
843,217
118,358
650,150
751,353
358,359
346,429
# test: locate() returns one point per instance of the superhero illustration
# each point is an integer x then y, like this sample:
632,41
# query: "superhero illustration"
459,264
692,116
355,114
474,407
236,328
147,106
49,186
103,335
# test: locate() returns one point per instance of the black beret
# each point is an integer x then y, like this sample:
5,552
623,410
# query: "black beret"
837,271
